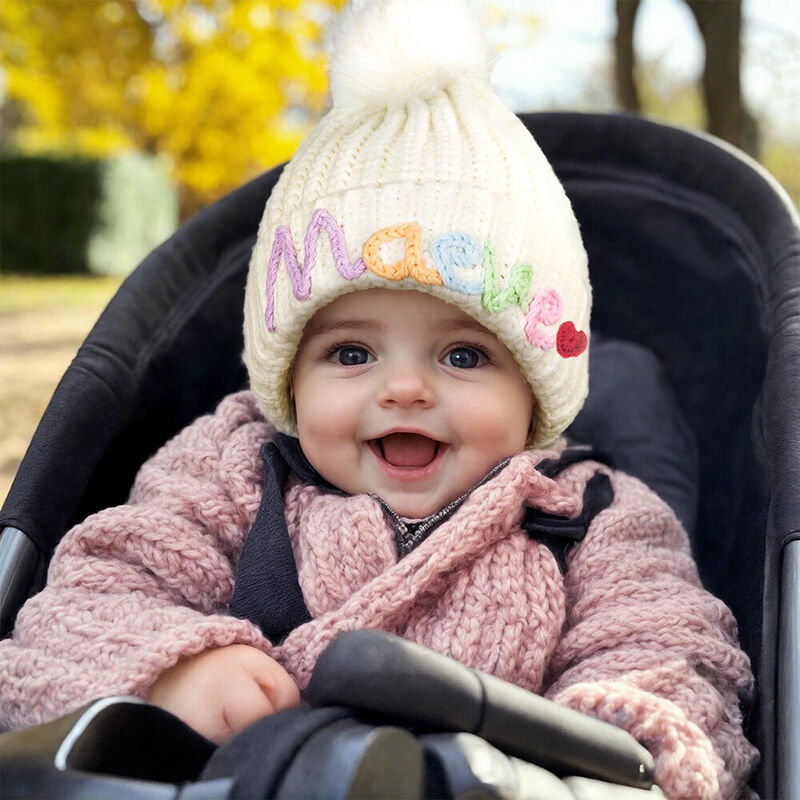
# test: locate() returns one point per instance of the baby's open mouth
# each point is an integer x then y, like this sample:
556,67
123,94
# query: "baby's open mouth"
407,449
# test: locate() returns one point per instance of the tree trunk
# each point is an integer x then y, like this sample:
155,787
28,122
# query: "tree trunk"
720,23
625,57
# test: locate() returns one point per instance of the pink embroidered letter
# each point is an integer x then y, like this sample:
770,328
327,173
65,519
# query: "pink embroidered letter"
545,309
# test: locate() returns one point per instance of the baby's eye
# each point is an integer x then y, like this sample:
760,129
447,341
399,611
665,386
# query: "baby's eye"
352,356
463,357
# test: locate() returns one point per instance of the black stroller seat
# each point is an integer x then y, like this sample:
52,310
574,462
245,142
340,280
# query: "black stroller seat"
694,253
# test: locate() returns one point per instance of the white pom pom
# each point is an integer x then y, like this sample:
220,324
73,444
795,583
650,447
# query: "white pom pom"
387,51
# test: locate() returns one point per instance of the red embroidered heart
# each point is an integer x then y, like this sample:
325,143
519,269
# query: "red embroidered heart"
569,341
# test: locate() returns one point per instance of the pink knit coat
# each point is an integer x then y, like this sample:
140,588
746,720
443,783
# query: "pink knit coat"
627,635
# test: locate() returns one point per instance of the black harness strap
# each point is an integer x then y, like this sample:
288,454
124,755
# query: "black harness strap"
550,467
267,589
560,534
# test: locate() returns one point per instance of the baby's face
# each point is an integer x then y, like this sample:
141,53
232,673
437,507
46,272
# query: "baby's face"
404,396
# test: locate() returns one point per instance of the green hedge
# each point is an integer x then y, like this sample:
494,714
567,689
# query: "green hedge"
67,214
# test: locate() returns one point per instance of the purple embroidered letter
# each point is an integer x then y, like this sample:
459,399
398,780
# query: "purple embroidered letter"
283,248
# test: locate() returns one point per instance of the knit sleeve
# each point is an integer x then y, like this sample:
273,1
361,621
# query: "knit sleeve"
133,589
646,648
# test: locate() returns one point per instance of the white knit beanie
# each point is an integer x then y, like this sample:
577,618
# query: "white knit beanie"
420,178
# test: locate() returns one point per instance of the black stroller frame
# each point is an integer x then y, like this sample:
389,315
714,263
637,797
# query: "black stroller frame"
694,251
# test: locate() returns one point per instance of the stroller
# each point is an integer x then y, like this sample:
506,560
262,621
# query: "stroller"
694,253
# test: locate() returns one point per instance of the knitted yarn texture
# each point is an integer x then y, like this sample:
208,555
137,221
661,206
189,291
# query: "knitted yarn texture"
627,635
419,178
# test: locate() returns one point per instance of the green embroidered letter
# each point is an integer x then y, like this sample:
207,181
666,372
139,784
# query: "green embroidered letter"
494,298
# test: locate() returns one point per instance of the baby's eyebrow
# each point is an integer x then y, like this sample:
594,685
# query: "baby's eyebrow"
450,325
320,327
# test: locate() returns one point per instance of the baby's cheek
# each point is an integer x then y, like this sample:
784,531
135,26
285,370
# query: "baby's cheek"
319,415
501,431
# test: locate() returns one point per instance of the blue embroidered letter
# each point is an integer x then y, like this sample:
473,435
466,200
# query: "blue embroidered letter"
455,250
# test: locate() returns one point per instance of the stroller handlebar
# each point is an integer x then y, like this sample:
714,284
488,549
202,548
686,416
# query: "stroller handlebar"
378,672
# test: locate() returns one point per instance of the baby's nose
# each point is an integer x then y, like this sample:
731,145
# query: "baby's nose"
406,386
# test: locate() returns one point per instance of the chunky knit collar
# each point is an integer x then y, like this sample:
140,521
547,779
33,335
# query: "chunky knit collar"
267,567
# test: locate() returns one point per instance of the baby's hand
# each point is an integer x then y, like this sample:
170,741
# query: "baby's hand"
220,692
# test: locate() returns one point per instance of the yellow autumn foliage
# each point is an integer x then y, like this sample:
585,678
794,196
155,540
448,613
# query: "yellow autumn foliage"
218,89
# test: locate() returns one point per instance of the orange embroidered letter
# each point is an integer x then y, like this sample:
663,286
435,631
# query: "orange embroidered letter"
411,265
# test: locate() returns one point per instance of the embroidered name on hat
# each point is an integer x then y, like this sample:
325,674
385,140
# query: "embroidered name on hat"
462,265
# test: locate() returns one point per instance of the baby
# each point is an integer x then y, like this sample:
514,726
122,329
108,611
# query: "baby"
398,395
416,335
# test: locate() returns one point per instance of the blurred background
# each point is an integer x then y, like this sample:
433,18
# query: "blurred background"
121,118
